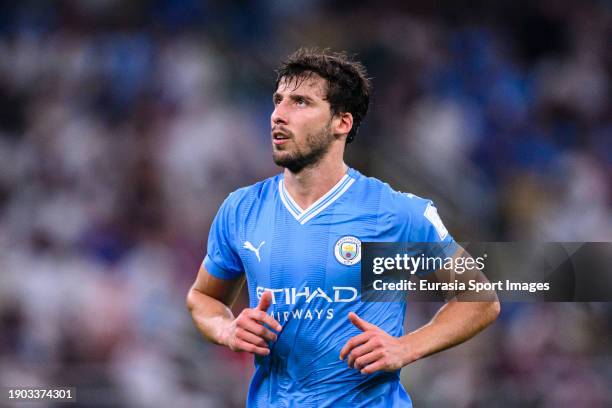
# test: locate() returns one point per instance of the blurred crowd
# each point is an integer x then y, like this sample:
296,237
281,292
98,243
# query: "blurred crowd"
123,125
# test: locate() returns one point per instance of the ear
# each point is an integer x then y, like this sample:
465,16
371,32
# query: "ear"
342,123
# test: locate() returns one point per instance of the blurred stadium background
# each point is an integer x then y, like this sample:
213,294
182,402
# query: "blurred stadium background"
123,125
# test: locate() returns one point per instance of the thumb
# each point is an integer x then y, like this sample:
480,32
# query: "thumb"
360,323
265,301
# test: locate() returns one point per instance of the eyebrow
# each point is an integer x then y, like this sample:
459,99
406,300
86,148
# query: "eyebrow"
276,95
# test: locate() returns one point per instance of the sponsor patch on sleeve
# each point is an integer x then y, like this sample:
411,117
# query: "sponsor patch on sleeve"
431,213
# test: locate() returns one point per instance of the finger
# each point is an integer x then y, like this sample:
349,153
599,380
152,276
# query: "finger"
372,368
367,359
258,330
354,342
265,318
251,338
360,323
251,348
265,301
357,352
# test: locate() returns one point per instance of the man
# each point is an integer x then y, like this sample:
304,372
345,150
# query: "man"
296,239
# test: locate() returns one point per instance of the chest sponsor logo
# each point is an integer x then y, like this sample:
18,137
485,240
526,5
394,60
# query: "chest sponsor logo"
348,250
307,303
290,296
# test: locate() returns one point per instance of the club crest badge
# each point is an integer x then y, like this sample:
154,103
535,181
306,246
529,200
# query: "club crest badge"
348,250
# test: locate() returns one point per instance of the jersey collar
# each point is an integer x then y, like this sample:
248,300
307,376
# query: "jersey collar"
303,216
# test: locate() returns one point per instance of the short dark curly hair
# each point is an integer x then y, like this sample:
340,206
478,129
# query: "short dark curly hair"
348,87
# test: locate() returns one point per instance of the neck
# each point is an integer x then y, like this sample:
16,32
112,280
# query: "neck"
313,182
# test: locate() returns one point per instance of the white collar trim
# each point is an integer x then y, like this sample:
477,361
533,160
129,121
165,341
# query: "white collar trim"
303,216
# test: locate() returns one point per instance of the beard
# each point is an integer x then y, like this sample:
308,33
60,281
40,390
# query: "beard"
317,144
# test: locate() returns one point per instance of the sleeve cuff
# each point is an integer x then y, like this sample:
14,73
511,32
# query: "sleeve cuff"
218,272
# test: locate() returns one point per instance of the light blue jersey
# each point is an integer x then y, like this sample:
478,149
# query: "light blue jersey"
309,259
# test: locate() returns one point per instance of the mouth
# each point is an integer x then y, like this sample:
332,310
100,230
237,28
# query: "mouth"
279,138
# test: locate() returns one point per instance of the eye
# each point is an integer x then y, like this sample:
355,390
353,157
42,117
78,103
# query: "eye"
301,102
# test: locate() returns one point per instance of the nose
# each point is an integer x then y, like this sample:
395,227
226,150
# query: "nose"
279,115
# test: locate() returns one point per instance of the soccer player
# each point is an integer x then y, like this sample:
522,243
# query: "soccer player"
296,240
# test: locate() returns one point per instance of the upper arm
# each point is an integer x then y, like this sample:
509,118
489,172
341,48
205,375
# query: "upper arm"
222,260
465,270
221,274
224,290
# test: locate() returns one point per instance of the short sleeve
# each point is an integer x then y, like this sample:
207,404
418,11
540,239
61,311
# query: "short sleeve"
222,260
427,227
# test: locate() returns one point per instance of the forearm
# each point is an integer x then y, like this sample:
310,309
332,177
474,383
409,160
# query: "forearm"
454,323
210,316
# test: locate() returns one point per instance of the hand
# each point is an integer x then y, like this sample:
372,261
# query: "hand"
247,331
373,350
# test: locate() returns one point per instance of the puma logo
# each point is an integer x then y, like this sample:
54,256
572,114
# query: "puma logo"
250,247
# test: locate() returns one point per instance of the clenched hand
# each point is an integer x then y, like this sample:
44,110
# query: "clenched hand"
373,350
247,331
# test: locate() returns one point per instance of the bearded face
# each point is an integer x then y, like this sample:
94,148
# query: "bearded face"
301,152
301,123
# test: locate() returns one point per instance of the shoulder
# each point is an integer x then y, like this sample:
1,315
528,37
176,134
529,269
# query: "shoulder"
249,195
392,201
415,217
